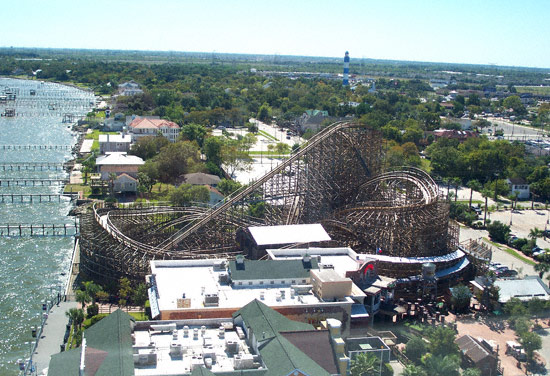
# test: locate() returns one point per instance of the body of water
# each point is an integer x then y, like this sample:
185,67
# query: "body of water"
33,269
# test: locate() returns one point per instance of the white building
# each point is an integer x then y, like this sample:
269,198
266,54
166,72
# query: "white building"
519,186
114,142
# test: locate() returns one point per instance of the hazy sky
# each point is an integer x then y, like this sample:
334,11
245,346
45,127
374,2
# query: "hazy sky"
502,32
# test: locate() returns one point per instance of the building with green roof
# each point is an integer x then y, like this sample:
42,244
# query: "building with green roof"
108,350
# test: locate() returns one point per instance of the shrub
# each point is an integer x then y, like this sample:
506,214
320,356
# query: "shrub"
498,231
416,347
92,310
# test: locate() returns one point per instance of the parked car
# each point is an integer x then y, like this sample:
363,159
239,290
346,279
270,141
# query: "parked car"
508,273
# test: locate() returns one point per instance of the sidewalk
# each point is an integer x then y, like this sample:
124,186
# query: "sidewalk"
52,335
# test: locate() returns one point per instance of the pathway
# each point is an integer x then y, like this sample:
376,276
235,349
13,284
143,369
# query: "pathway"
52,335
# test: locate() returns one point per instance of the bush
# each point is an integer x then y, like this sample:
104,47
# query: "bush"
92,310
498,231
416,347
387,370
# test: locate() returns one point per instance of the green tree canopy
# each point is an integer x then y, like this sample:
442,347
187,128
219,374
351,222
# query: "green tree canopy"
415,349
187,193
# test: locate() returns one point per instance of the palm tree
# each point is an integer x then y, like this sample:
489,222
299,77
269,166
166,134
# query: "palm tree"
82,297
112,178
541,268
474,185
456,183
485,193
535,233
76,315
438,365
365,364
92,289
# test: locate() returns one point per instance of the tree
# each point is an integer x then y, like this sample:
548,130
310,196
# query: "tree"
365,364
76,315
124,290
461,296
92,289
535,233
149,146
485,193
514,102
531,342
228,186
139,295
112,178
536,306
413,370
415,349
193,132
234,158
542,268
471,372
498,187
264,113
437,365
498,231
281,148
187,193
456,182
212,148
177,159
474,185
442,341
145,183
82,297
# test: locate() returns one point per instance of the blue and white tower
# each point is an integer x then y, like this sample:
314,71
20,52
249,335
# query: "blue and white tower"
345,81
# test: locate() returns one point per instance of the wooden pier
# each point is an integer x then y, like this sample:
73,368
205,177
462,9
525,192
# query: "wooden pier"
14,198
32,166
35,147
31,182
42,229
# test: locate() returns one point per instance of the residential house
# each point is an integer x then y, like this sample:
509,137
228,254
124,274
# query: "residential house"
141,127
312,119
125,183
129,88
118,163
114,142
453,134
520,187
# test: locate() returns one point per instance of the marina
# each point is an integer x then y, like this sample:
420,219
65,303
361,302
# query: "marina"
36,241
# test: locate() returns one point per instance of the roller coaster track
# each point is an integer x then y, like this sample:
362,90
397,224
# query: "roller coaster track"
239,195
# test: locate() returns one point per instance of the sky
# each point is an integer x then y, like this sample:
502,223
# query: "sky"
501,32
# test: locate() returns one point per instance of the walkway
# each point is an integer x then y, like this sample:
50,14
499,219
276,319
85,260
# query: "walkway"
52,335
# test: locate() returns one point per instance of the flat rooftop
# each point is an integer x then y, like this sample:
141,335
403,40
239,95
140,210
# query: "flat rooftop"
288,234
342,259
184,284
188,350
524,289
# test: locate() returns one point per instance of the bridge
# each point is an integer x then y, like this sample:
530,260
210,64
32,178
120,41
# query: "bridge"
32,166
24,182
42,229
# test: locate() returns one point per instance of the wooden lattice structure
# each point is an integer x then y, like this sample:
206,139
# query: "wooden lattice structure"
335,179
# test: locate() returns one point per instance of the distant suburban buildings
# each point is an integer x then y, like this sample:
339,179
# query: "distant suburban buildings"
312,119
453,134
145,126
129,88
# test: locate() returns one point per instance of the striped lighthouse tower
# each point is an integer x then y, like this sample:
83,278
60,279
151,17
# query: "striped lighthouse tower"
345,81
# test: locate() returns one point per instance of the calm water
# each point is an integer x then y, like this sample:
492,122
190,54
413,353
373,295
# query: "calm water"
31,267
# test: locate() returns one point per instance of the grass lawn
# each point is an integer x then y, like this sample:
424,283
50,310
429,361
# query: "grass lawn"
73,188
95,134
139,316
160,192
267,135
512,252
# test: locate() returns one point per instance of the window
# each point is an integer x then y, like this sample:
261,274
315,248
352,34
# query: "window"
240,283
272,282
282,282
250,283
261,282
293,281
303,281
